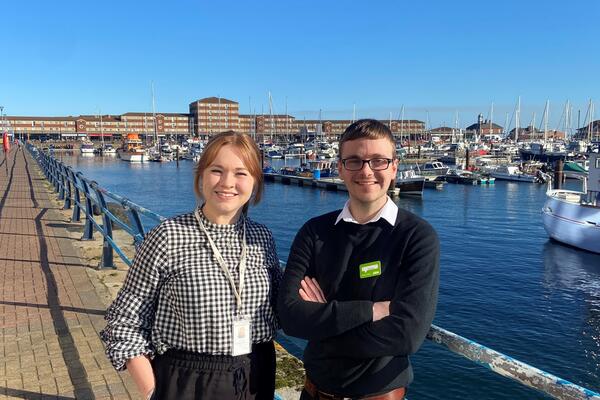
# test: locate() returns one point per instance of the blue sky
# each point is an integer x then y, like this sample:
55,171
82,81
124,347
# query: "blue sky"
436,58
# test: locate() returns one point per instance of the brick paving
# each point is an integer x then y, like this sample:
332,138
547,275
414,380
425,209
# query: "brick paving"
50,314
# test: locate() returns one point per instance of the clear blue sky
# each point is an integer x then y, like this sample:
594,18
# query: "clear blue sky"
434,57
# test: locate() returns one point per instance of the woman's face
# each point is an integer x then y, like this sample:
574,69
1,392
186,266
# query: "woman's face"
226,186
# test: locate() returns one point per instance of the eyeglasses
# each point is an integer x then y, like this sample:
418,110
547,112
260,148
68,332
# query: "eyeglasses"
376,164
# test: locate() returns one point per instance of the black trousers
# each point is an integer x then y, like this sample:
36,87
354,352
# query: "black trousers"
184,375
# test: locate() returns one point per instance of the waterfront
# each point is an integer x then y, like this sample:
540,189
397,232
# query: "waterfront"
503,283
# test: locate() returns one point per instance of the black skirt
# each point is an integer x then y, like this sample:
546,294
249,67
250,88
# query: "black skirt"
187,375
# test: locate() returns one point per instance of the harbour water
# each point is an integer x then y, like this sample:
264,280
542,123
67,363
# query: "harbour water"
503,283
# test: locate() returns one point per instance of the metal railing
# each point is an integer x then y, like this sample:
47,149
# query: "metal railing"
81,194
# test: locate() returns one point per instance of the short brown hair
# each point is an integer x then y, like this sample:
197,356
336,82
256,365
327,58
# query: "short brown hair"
250,157
367,129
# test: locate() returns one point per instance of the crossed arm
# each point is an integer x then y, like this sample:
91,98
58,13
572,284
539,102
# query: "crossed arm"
311,291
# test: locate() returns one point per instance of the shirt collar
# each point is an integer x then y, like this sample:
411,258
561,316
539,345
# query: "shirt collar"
389,212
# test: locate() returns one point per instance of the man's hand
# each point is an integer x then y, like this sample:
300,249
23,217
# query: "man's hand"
311,291
381,309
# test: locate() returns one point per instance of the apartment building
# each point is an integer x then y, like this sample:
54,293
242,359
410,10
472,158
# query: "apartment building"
213,115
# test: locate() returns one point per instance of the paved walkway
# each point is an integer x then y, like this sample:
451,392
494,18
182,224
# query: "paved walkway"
50,314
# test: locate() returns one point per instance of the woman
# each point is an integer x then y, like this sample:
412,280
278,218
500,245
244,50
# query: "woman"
195,317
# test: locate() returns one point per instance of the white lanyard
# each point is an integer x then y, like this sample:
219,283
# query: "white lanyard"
221,261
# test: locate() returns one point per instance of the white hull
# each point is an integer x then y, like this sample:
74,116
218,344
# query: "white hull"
87,150
132,156
567,221
514,177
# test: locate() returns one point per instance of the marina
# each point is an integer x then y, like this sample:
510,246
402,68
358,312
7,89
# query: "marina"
540,304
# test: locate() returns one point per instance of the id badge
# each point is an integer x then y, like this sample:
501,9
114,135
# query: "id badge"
242,335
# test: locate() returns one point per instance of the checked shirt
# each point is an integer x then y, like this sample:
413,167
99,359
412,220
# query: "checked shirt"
177,296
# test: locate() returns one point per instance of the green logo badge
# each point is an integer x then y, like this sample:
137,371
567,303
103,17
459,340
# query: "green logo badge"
370,269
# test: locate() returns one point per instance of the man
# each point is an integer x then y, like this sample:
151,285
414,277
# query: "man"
361,283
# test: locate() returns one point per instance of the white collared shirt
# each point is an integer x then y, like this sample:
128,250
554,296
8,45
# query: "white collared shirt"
389,212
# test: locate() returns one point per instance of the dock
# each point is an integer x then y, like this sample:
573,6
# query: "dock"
332,184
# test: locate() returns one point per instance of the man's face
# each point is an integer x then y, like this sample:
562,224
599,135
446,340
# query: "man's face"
366,185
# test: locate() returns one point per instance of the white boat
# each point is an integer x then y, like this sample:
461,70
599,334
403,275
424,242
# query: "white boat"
513,173
433,168
132,149
573,217
108,149
86,148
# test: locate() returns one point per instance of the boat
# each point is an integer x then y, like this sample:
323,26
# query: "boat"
513,173
576,169
108,149
274,154
433,168
322,168
132,149
410,183
466,177
573,217
86,148
460,176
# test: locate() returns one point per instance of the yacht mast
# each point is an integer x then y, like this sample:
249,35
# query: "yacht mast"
517,119
101,133
491,118
271,115
155,137
401,123
546,109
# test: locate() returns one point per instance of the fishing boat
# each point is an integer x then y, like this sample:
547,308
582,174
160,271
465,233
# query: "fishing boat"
573,217
132,149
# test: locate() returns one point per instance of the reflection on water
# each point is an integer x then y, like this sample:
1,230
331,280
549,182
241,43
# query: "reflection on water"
576,272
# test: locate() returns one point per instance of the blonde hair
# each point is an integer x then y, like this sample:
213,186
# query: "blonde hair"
250,157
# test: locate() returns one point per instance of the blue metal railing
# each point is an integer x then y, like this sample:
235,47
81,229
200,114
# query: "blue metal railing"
81,194
72,186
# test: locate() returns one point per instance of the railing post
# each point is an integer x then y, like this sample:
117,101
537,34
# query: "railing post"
76,217
107,250
135,221
88,230
56,176
61,181
68,188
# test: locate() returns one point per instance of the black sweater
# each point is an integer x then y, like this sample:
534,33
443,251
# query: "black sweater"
347,353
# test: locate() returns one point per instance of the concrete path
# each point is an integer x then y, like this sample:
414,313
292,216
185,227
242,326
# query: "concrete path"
50,314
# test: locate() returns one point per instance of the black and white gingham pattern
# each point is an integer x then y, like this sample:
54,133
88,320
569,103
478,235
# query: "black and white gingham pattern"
177,296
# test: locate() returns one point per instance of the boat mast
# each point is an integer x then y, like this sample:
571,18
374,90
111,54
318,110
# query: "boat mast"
353,112
287,122
101,133
517,119
455,126
154,117
271,115
402,123
592,121
546,109
491,118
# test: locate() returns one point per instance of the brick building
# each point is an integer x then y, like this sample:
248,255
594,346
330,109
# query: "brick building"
213,115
